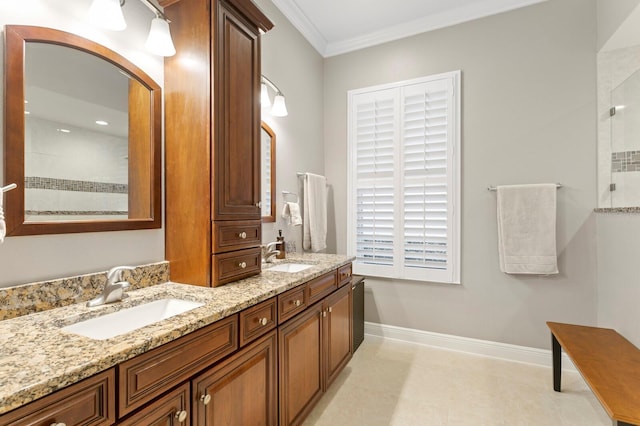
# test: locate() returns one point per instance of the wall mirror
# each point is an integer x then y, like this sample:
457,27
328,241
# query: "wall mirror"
82,136
268,166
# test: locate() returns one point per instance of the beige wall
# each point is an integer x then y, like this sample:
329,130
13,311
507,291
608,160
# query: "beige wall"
296,68
528,111
27,259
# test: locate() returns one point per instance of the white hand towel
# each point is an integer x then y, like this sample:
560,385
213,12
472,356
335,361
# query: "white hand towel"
527,229
314,235
291,213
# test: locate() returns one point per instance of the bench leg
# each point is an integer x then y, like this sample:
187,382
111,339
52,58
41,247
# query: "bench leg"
556,352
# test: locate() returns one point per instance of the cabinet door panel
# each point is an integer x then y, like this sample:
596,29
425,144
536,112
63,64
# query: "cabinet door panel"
301,365
164,411
240,391
339,332
236,188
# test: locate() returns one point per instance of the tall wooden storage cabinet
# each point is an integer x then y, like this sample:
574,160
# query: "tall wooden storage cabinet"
212,140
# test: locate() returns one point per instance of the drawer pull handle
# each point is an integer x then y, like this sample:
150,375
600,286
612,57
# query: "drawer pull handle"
324,314
206,399
297,302
58,424
242,265
263,321
330,309
259,204
181,416
242,235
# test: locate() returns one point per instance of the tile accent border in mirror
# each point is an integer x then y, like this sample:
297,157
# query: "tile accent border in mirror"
44,295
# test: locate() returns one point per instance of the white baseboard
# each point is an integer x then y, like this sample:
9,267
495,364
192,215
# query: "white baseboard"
524,354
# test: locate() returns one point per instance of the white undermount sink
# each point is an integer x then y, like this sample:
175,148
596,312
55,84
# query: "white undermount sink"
129,319
290,267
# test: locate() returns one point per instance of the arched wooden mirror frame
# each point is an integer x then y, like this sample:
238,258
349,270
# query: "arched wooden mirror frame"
147,184
270,216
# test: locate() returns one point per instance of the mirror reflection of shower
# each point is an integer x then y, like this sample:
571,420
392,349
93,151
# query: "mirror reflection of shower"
625,143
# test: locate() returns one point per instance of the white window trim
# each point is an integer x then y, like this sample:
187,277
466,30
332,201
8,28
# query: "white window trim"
451,274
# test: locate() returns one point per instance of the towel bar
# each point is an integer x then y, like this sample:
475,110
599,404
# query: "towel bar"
493,188
8,187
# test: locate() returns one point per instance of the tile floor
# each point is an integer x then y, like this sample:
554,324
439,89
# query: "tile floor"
395,383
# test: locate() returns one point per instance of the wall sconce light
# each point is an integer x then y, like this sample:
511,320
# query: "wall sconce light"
279,108
108,14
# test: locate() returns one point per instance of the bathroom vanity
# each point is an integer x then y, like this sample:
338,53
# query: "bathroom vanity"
237,359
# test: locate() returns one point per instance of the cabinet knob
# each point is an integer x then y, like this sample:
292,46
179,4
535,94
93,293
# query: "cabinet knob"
324,314
181,416
259,204
242,265
206,399
263,321
330,309
242,235
298,302
58,424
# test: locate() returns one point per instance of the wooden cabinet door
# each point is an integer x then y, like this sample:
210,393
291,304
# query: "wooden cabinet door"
301,365
169,410
236,94
338,332
241,390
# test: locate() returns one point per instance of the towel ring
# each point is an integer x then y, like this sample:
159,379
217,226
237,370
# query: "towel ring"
285,193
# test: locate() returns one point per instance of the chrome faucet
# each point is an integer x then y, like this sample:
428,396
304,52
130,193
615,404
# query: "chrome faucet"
114,288
268,252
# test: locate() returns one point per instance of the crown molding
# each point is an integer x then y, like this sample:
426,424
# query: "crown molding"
447,18
299,20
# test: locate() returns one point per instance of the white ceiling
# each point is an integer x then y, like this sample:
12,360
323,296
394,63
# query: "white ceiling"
339,26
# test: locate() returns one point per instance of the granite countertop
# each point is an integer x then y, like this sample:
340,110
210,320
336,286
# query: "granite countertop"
38,358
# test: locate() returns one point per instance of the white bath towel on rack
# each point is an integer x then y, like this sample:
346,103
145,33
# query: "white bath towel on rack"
527,229
314,234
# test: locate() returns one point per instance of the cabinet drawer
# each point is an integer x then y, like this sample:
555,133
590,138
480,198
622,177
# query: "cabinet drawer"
322,286
91,401
236,235
257,320
344,275
233,266
171,409
148,375
291,302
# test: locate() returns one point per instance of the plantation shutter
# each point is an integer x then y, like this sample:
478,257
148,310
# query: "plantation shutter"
375,136
403,180
425,121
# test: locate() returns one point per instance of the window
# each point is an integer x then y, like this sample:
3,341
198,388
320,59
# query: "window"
404,179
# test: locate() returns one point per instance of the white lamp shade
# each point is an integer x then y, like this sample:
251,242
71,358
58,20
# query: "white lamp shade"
107,14
264,96
159,41
279,108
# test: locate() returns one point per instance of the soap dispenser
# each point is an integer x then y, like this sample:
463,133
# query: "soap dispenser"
281,246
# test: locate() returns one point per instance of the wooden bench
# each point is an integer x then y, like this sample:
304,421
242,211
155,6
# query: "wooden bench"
608,362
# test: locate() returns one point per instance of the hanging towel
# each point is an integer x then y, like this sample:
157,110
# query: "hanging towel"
314,234
291,213
527,229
